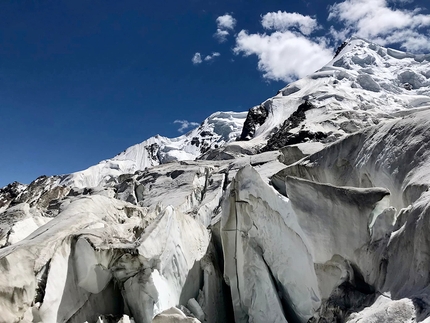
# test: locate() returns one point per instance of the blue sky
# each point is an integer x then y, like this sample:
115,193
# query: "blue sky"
82,80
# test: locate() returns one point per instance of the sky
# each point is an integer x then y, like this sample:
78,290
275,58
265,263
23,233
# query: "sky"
80,81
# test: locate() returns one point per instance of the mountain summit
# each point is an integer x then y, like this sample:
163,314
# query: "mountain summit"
313,206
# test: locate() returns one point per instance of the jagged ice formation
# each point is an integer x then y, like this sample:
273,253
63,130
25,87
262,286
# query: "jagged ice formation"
311,207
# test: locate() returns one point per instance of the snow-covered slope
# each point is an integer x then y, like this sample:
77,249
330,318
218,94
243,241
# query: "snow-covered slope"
217,130
362,86
318,213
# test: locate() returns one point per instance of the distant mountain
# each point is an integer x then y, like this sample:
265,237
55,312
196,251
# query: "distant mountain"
217,130
313,206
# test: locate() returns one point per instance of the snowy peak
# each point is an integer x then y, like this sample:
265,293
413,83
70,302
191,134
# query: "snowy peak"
377,68
362,86
217,130
9,193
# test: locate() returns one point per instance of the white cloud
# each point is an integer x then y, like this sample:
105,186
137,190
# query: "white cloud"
282,21
376,21
225,24
339,35
284,55
289,48
197,58
221,35
409,39
185,125
211,57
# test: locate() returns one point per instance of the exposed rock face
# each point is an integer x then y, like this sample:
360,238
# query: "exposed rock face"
27,207
256,117
284,137
9,193
288,226
340,48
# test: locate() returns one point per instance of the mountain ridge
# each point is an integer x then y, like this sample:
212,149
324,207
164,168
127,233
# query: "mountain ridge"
158,149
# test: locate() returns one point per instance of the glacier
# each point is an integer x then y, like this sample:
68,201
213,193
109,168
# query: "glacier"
312,206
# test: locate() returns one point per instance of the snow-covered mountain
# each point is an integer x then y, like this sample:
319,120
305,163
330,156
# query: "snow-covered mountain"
311,207
217,130
362,86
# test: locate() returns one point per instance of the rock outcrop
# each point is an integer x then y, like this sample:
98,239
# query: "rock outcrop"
255,118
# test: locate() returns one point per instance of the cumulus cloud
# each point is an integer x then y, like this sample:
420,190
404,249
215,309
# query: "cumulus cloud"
288,52
197,59
284,56
408,39
225,24
375,20
211,57
289,48
185,125
282,21
221,35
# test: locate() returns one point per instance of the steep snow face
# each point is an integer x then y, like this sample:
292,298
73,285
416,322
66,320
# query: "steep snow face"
217,130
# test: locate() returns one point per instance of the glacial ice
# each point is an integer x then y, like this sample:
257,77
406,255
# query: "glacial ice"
205,228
